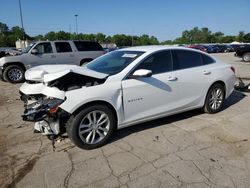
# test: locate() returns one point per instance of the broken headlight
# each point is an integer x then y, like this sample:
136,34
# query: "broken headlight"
41,108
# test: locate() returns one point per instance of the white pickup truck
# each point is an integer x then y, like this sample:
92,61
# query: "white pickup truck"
12,68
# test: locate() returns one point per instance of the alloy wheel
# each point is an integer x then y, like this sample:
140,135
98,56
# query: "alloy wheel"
94,127
15,74
216,98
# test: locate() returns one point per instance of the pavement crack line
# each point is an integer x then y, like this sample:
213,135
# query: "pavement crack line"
68,176
27,167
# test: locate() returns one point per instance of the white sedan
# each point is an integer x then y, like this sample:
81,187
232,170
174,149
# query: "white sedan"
123,88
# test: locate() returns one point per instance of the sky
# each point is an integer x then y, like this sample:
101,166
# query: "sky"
165,19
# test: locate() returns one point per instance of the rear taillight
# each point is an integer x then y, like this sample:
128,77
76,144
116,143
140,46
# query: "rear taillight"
233,69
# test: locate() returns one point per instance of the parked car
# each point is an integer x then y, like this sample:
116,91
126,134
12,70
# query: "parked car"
198,47
123,88
48,52
209,49
8,51
237,46
243,53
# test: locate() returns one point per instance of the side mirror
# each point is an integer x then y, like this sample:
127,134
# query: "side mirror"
142,73
34,51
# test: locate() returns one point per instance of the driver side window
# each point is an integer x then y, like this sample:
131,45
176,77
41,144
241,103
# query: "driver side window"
44,48
158,63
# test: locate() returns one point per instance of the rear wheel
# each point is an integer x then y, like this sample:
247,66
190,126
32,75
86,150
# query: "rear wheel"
14,74
246,57
92,127
215,99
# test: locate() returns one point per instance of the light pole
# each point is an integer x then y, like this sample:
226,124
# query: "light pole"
21,16
76,15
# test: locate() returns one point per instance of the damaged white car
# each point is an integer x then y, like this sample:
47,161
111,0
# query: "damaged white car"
123,88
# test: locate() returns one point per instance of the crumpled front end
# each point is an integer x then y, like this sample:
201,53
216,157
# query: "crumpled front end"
44,91
45,112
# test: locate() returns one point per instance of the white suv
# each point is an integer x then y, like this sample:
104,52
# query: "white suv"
48,52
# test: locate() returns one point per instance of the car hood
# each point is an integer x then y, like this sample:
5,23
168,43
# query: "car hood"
47,73
8,59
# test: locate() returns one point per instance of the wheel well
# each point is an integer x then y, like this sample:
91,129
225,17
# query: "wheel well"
85,60
221,83
217,82
98,103
14,63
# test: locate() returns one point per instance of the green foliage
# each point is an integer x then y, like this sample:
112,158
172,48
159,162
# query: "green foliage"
246,37
240,37
8,37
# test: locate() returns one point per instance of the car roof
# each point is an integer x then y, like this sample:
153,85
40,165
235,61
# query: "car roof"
153,48
67,41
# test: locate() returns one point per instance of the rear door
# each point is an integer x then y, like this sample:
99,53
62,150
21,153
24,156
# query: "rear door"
87,50
64,53
194,78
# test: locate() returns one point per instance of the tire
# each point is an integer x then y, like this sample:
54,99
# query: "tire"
246,57
13,74
90,135
214,99
85,61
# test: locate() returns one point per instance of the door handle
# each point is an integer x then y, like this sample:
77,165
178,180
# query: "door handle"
206,72
52,56
172,78
71,55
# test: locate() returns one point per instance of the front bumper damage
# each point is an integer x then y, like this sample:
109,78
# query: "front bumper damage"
45,112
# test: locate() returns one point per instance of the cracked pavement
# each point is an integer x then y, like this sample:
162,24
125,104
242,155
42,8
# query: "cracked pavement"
191,149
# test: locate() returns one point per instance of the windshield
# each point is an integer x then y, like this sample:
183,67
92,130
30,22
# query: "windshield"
27,49
114,62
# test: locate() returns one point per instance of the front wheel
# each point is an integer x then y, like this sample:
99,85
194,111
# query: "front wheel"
14,74
246,57
215,99
92,127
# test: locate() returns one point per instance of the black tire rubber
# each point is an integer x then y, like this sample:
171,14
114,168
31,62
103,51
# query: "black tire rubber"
6,71
85,61
207,107
246,55
72,127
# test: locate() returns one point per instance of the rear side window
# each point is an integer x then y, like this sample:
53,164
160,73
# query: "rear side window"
63,47
158,63
186,59
88,46
207,60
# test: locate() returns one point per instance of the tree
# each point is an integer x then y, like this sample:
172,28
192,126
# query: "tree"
38,37
17,33
241,35
100,37
228,39
217,37
62,35
122,40
50,36
246,38
3,28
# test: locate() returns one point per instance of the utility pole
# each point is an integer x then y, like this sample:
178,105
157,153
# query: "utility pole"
21,16
76,15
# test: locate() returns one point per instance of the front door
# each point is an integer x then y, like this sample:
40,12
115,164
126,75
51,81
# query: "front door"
144,97
43,56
